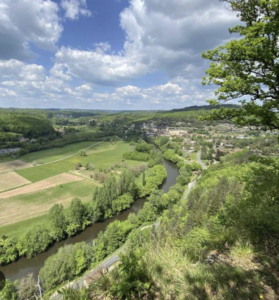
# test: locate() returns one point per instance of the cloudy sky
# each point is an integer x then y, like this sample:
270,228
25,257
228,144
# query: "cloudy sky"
108,54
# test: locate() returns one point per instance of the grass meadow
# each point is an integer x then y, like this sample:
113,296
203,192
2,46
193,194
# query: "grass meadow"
30,207
46,156
103,155
20,213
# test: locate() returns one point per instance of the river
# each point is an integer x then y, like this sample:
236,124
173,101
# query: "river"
24,266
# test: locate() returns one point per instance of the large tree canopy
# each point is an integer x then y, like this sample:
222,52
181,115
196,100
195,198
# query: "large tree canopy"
247,68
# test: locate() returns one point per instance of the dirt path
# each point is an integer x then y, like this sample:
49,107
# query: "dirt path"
201,162
65,157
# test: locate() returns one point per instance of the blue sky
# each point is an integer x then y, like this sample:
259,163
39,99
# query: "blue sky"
108,54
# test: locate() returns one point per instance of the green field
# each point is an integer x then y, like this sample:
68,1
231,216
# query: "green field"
27,209
46,156
103,155
19,213
20,228
192,156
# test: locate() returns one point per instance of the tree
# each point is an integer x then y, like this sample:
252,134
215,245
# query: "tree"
247,69
8,250
77,217
58,221
35,241
68,262
143,179
121,203
127,183
132,280
9,292
155,199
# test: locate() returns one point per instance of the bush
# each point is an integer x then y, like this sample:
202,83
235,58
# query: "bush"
70,261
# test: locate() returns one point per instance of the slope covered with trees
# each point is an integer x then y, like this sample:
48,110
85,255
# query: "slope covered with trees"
13,126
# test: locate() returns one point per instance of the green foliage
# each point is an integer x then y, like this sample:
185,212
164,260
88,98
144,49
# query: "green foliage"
248,66
195,166
171,156
196,243
114,236
35,241
131,278
126,183
156,177
141,152
73,294
143,147
77,217
24,124
58,221
121,203
70,261
185,175
8,250
9,292
135,155
156,158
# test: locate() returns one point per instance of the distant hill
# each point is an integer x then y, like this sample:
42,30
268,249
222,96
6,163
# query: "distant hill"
205,107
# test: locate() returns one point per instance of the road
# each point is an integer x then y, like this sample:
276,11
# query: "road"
191,185
94,274
200,161
91,275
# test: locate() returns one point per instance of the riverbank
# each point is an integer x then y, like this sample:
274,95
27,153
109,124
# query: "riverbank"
24,266
110,261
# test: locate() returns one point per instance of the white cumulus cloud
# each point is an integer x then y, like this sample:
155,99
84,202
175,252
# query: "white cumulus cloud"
27,21
74,8
167,36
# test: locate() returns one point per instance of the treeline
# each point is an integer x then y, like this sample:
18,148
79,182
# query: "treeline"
144,152
109,200
55,141
57,269
172,152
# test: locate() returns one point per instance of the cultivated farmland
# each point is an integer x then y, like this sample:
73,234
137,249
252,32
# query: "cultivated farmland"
38,186
12,165
51,177
11,180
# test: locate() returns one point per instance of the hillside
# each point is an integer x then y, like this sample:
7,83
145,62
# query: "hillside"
221,243
16,125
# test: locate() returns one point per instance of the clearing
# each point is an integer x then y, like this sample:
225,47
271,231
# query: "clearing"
41,185
11,180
